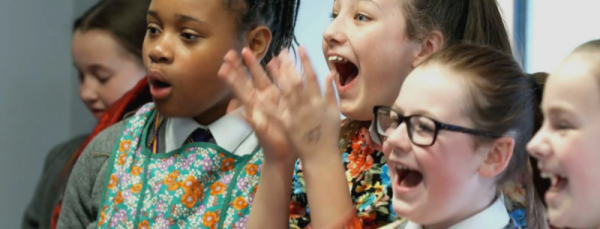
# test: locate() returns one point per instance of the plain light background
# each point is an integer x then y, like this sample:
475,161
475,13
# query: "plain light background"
40,107
555,28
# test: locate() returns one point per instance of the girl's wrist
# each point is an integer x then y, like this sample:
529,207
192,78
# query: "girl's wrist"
322,160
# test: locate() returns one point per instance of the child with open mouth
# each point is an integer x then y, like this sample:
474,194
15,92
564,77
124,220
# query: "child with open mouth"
567,144
455,137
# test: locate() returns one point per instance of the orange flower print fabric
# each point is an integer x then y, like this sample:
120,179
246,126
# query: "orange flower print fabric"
368,183
197,186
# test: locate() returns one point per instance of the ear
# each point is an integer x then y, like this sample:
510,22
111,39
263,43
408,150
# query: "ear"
258,41
497,158
432,43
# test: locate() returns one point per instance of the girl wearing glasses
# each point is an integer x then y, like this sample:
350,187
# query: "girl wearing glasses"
454,140
455,136
567,144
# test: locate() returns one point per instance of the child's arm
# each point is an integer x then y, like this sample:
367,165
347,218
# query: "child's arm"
327,190
271,204
313,128
87,181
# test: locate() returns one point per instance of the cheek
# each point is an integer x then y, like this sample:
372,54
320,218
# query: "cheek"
118,87
448,168
579,158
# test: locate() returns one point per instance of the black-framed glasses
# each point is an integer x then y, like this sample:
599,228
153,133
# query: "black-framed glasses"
422,130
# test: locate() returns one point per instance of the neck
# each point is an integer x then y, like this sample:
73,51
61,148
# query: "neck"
471,208
212,114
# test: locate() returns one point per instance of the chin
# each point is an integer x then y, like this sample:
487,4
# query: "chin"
355,110
167,109
405,210
560,218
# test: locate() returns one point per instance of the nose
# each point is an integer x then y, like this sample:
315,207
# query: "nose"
334,33
399,139
538,146
87,92
160,51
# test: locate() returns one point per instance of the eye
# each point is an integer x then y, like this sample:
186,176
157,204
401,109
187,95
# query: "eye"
423,125
153,30
189,36
103,80
561,125
361,17
333,15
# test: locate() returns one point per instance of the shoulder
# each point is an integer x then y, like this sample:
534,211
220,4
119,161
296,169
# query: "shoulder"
64,150
100,148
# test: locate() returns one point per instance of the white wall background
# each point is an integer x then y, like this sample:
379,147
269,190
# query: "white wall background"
37,87
556,27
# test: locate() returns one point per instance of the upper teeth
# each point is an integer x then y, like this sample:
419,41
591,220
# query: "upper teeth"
337,59
402,167
553,177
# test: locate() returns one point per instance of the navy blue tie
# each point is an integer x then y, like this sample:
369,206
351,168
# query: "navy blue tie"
200,135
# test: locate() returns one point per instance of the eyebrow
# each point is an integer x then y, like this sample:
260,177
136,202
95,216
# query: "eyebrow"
189,18
558,111
179,17
153,13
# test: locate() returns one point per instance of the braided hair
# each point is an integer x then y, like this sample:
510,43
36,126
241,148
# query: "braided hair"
278,15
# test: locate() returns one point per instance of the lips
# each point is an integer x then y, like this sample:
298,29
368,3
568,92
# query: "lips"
160,88
97,112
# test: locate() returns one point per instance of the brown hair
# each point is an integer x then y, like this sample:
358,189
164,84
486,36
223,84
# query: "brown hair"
503,101
476,21
125,20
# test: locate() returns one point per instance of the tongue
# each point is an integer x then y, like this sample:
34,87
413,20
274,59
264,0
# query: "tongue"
412,179
349,79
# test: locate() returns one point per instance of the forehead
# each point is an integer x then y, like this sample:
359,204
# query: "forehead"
383,5
436,90
95,45
573,85
213,11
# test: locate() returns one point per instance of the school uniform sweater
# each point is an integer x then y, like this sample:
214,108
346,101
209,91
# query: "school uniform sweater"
39,211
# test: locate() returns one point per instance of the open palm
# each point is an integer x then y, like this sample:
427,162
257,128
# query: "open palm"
257,93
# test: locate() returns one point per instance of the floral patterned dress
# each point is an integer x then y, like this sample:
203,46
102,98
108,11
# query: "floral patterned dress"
199,185
368,182
369,186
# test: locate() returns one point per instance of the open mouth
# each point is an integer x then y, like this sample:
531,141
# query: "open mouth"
159,84
159,87
557,182
347,70
408,178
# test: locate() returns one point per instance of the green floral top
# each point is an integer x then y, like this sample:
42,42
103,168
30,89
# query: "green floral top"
199,185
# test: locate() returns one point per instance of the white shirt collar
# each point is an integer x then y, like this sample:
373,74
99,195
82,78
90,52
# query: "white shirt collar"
229,131
493,217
